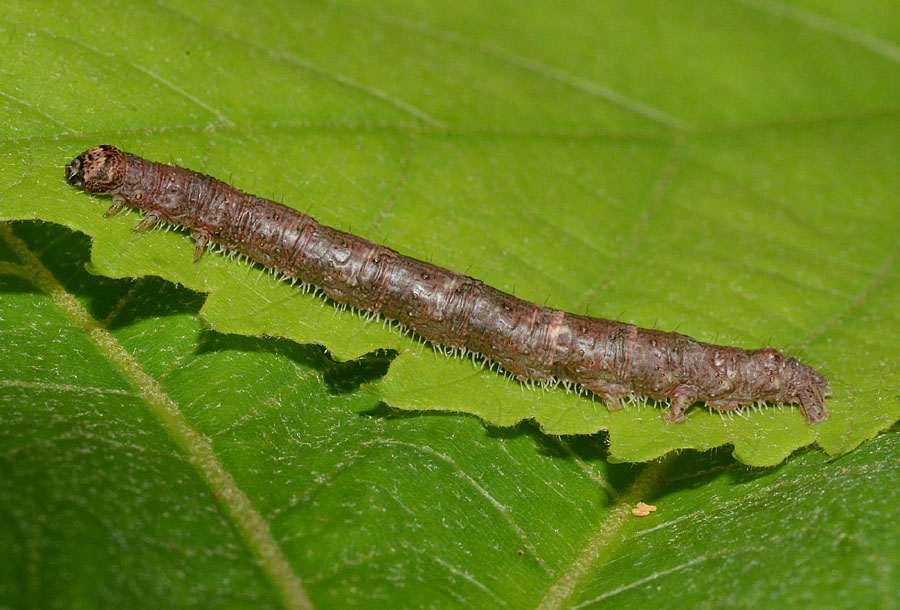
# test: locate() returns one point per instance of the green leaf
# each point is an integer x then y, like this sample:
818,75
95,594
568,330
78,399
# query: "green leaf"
728,170
718,225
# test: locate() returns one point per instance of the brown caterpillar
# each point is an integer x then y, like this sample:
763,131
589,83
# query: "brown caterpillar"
533,343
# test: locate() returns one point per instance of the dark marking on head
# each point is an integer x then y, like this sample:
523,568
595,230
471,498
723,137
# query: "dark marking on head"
100,169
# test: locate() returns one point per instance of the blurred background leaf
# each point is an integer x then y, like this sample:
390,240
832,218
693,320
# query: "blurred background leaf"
726,169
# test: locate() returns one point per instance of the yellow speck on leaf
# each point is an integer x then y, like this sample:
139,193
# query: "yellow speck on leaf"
642,510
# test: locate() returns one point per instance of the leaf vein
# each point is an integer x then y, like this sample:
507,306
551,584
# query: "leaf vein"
248,521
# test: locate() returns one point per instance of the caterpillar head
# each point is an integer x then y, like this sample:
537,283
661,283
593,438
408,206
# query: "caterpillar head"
100,169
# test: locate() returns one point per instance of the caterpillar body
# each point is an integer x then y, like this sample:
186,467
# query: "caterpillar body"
533,343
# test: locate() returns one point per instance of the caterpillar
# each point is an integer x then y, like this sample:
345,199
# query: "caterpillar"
610,359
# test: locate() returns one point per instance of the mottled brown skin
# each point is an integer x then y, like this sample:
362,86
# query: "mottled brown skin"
534,343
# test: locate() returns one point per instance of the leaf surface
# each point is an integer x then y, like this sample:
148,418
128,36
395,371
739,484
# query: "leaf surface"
728,170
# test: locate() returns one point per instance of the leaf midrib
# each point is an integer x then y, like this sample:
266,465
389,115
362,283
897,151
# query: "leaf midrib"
240,510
